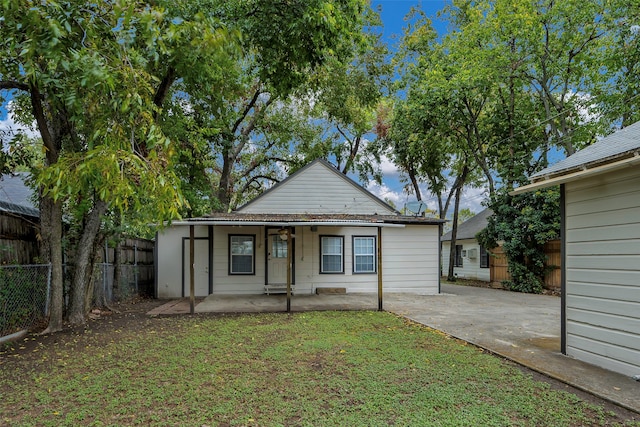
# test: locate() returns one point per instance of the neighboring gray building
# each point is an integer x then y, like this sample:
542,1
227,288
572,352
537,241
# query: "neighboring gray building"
19,221
600,205
471,260
16,197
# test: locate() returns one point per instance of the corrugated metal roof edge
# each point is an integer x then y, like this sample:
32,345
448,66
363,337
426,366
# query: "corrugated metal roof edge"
18,209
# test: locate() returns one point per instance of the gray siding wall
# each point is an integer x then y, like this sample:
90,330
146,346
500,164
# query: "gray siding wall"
317,190
603,270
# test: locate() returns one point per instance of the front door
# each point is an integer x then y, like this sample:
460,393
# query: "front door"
277,260
200,266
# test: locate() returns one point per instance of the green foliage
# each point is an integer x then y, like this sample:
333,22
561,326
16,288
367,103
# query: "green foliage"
321,368
523,224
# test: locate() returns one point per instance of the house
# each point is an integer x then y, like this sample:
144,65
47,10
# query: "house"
19,221
600,207
317,230
471,260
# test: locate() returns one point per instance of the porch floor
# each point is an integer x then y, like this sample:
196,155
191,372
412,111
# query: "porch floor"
270,303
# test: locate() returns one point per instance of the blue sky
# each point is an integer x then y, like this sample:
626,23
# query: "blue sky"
393,13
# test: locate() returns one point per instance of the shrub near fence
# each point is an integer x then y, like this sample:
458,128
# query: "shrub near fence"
24,291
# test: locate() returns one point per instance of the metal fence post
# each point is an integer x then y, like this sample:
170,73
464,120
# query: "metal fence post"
48,300
135,266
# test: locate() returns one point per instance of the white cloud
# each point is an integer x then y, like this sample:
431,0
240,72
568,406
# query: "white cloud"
10,127
388,167
472,198
385,193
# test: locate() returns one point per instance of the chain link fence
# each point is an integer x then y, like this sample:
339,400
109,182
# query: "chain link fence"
24,296
25,291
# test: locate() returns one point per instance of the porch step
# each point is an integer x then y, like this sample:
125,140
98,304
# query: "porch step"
331,291
278,288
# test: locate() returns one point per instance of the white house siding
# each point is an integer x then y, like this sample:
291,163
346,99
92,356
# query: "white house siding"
603,270
470,266
318,190
169,249
410,258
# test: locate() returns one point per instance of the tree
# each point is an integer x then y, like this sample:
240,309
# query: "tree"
524,223
98,78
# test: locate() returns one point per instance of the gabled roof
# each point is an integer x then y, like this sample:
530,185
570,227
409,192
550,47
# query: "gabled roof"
15,196
618,150
315,190
471,227
626,141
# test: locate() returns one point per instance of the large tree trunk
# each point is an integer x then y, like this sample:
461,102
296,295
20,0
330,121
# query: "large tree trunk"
454,230
51,251
461,180
82,264
224,187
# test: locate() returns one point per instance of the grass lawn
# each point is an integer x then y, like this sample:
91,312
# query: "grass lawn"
306,369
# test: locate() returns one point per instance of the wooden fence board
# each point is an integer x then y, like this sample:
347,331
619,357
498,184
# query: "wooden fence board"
499,268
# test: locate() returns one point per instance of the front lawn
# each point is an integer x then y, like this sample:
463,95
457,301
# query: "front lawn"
322,368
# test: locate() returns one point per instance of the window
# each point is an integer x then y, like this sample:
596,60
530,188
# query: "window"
364,254
241,254
484,258
458,260
331,254
279,248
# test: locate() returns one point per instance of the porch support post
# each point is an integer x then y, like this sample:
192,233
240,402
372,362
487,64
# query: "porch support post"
192,287
379,268
289,270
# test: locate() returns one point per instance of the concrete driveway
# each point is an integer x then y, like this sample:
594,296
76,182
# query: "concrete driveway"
524,328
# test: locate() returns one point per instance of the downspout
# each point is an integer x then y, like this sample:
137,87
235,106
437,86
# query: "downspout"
210,259
379,268
440,258
563,270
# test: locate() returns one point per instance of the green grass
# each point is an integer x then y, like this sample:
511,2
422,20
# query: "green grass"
310,369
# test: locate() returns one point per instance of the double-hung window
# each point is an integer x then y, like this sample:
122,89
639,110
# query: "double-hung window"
364,254
458,259
241,254
331,254
484,257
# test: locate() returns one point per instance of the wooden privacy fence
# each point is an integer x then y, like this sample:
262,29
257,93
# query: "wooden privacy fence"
18,239
498,266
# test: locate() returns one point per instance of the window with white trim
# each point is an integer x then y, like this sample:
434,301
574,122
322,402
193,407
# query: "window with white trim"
364,254
331,254
241,254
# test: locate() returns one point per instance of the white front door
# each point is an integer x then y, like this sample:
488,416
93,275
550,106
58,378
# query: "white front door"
277,260
200,267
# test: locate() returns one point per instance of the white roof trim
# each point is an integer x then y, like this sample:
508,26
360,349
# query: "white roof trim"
583,173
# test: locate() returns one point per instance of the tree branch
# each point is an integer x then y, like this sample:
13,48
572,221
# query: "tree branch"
165,85
38,114
10,84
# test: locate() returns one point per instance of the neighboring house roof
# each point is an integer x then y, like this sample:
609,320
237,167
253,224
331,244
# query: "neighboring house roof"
16,196
618,150
471,227
315,187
